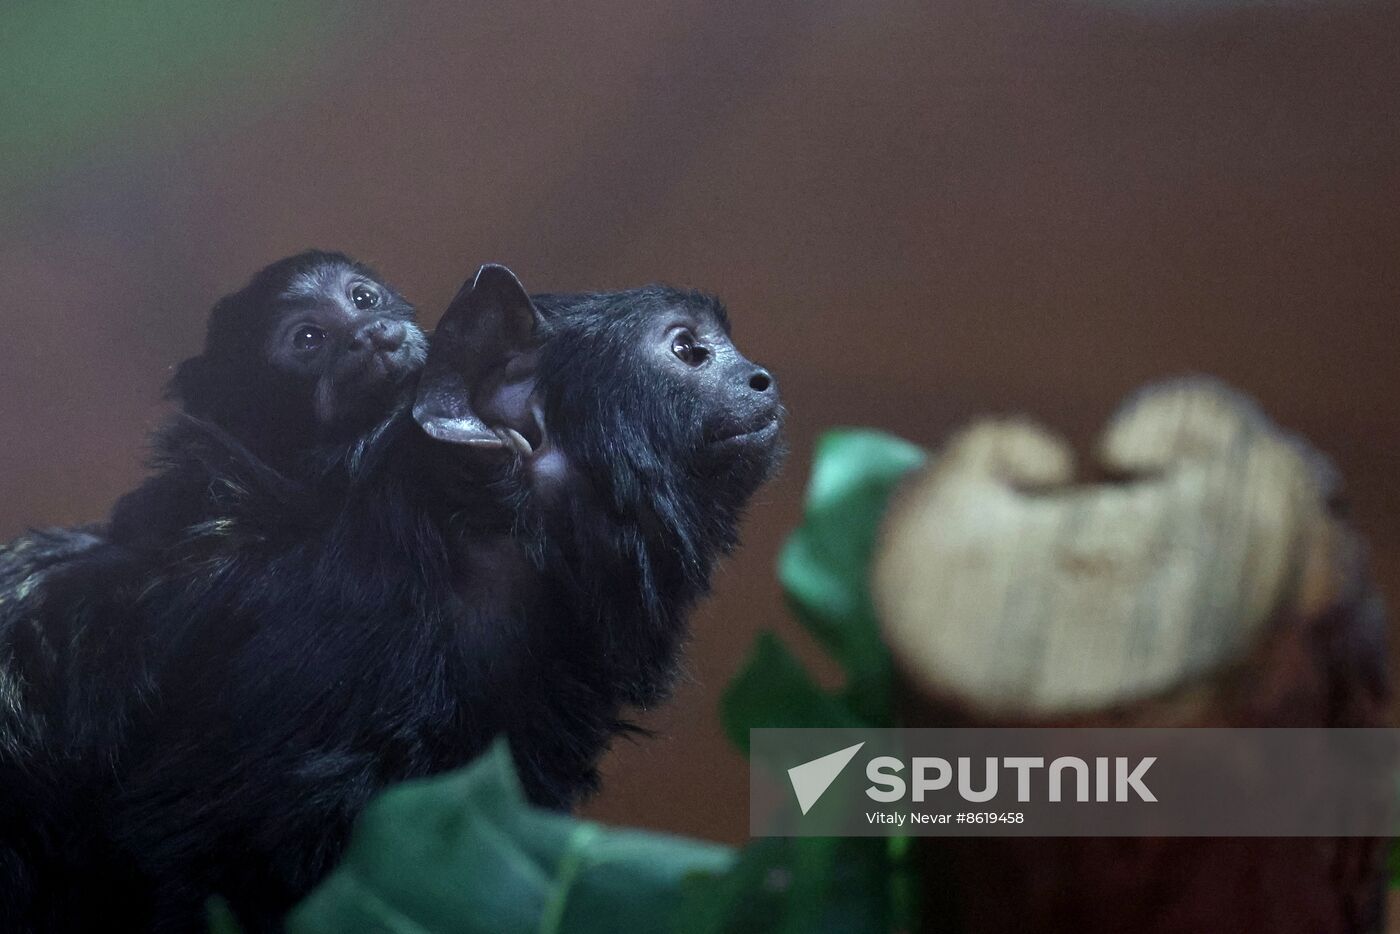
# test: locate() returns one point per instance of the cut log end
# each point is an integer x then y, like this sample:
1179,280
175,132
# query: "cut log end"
1002,583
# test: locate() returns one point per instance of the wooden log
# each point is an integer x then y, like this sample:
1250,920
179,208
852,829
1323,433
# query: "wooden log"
1202,576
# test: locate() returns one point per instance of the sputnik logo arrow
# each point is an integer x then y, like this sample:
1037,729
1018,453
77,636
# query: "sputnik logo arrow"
810,780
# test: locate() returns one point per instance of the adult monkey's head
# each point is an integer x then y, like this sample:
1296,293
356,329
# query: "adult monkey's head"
314,349
641,393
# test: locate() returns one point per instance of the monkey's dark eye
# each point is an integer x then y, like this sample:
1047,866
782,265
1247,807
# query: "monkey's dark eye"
364,297
683,346
308,337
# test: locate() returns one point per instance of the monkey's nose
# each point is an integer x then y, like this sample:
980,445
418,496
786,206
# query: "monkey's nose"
760,380
379,336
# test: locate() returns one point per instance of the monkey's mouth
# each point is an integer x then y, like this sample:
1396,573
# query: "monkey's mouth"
379,370
750,434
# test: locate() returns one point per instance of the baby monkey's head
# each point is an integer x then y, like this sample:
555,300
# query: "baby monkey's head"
316,348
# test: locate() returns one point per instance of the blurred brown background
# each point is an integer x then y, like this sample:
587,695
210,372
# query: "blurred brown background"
916,212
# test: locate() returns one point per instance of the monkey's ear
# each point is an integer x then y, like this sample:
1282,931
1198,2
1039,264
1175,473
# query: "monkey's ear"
480,371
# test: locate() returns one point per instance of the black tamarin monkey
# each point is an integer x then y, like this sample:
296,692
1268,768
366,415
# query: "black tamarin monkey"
299,366
310,352
522,564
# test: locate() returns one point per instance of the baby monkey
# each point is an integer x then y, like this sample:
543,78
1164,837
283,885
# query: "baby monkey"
311,351
299,367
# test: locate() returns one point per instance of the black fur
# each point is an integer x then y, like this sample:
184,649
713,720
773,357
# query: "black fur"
74,674
315,638
252,383
292,412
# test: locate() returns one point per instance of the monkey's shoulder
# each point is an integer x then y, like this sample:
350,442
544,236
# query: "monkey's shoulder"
38,549
30,561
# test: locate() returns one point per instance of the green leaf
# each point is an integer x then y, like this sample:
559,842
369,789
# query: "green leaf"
221,919
796,885
824,566
464,853
774,690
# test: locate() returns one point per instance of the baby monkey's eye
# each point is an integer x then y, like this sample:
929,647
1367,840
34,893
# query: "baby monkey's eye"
364,297
308,337
683,346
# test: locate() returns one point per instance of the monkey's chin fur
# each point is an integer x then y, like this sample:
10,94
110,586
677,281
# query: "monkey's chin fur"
748,458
